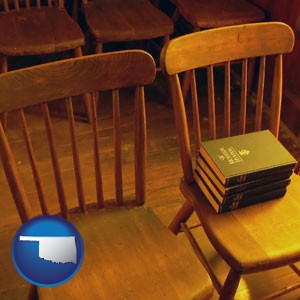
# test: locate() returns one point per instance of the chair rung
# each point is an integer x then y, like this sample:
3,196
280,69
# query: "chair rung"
192,227
200,255
283,291
295,269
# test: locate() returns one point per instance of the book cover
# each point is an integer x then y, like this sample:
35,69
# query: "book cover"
242,158
229,206
244,195
205,171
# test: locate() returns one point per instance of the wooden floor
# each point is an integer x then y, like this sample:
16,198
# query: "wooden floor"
163,174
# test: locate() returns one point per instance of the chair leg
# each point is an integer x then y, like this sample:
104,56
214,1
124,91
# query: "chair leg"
75,10
86,96
175,16
251,71
32,294
99,47
3,120
4,69
181,217
230,286
166,39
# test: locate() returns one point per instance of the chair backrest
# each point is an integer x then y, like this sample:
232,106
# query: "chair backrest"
224,46
39,85
16,5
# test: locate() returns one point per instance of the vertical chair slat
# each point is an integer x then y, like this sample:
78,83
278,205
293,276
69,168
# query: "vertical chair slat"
182,132
49,3
75,152
61,3
33,163
4,69
186,83
16,3
227,109
38,3
6,5
55,163
117,147
187,77
276,96
196,117
260,93
13,178
211,103
243,108
27,4
140,146
98,176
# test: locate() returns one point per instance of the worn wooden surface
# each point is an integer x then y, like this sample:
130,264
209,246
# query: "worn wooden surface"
83,74
214,13
53,30
130,20
262,236
227,44
124,259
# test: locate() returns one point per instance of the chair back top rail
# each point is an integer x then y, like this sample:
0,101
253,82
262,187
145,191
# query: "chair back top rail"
219,45
73,77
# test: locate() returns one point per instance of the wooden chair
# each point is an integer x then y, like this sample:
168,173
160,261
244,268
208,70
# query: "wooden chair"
203,14
123,21
259,237
128,251
215,13
37,29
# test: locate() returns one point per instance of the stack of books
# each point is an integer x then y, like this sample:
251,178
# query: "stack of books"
243,170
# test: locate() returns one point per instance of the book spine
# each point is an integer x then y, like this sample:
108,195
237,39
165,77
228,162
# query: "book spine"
229,206
255,175
257,183
246,195
205,172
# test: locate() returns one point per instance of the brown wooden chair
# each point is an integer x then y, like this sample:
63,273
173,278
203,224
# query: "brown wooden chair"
203,14
215,13
128,251
37,29
259,237
125,20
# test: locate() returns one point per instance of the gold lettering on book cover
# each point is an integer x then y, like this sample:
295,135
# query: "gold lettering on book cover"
232,156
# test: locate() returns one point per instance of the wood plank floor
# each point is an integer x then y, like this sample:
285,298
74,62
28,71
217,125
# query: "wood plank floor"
163,174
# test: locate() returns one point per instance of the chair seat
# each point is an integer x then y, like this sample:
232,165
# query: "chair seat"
257,237
130,254
38,31
216,13
119,20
